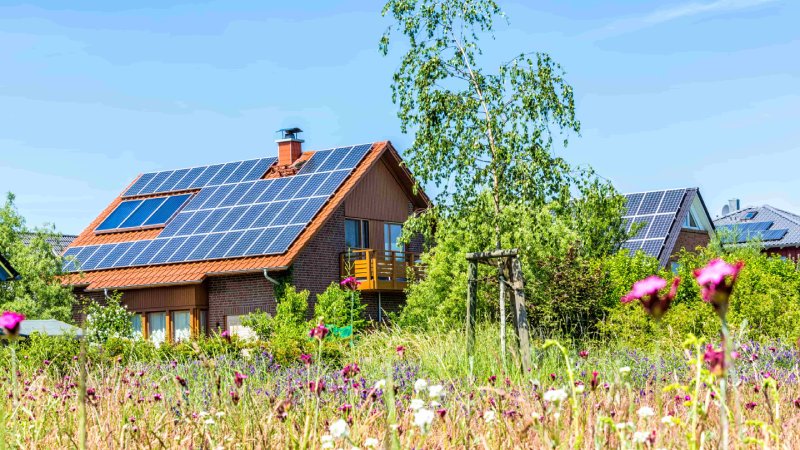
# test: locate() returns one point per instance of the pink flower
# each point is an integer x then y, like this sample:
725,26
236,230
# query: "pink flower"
716,281
583,354
181,381
317,386
319,332
402,350
492,379
350,283
647,292
158,397
441,412
593,382
234,397
226,335
239,378
716,359
10,321
306,359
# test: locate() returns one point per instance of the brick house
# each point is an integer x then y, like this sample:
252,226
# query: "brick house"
670,220
776,230
194,249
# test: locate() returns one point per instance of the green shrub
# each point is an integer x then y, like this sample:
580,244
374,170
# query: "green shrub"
336,305
261,323
289,337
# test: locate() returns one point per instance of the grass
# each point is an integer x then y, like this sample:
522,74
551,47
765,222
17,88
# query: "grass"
146,405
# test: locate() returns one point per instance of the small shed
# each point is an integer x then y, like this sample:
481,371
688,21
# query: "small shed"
49,327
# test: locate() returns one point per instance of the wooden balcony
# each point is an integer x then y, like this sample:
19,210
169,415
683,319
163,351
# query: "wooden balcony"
381,270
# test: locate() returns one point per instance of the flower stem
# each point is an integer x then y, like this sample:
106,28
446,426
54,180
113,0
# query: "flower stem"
723,409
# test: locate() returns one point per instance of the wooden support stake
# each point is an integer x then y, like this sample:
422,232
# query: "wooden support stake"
523,333
502,279
472,294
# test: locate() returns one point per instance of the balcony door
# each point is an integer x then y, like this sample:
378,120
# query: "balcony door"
356,233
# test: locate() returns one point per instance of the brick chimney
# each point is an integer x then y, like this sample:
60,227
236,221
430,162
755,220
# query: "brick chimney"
290,147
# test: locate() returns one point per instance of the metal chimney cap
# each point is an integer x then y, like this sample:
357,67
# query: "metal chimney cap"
289,133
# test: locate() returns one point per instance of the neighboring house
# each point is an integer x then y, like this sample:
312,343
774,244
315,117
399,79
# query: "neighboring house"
49,327
197,248
7,273
671,220
59,242
777,230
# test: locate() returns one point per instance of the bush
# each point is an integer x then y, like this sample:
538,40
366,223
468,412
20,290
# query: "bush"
289,330
111,320
261,323
334,307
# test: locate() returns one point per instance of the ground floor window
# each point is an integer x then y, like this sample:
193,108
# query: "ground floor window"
181,326
136,323
157,327
235,328
202,322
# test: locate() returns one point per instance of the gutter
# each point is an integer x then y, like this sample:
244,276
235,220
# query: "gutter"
269,278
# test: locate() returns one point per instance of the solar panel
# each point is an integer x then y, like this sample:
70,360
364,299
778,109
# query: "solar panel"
656,211
672,200
234,213
632,203
773,235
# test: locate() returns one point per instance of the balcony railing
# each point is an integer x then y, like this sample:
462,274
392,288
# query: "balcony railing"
381,270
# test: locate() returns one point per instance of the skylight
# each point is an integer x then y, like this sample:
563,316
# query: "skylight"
152,212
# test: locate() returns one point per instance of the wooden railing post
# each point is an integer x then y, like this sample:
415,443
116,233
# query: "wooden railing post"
472,293
521,315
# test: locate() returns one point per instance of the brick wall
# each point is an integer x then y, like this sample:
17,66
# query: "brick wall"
690,240
80,296
389,302
238,295
318,263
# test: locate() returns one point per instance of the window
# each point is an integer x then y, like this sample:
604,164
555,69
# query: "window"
391,234
152,212
181,326
136,322
235,327
202,328
750,215
691,221
157,327
356,233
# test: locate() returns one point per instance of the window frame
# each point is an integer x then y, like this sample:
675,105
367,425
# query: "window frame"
363,233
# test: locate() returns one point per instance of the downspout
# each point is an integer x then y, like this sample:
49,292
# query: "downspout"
269,278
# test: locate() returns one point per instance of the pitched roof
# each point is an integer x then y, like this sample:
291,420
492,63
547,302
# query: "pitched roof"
662,214
774,227
48,327
6,271
195,271
59,242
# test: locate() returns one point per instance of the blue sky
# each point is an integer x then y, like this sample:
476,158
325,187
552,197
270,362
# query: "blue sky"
670,93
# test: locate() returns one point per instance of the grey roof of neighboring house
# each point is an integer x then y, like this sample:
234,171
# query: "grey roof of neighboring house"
663,243
59,242
781,220
50,327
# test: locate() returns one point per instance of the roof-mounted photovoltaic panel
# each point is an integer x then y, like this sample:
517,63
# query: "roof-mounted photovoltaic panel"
135,214
199,177
653,216
234,214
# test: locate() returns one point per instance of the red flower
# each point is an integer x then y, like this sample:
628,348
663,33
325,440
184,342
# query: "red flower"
239,378
751,405
492,379
319,332
350,371
442,412
10,321
181,381
647,291
716,281
593,383
583,354
350,283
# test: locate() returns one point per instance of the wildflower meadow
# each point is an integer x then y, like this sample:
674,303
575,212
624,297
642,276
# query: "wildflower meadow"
399,389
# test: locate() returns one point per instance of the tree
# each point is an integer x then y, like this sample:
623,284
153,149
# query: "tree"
39,293
476,130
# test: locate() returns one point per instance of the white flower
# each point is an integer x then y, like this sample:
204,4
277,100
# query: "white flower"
640,437
434,404
579,389
645,411
420,385
623,425
423,418
339,429
668,420
624,370
219,414
489,415
380,384
555,396
327,441
436,391
417,404
209,421
246,354
371,443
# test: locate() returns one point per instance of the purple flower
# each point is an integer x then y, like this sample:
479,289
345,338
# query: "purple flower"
10,321
350,283
647,291
716,281
319,332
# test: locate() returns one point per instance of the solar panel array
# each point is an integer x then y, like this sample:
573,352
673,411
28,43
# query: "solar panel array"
199,177
748,231
230,220
654,214
143,213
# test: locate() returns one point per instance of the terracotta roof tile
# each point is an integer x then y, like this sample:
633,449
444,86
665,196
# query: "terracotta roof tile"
194,272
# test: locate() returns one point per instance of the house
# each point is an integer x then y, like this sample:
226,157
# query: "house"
59,242
776,230
197,248
7,273
670,220
49,327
